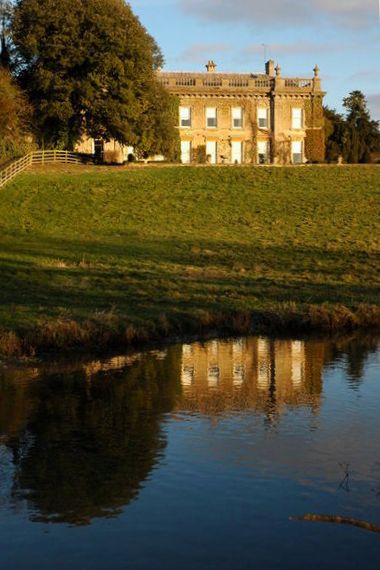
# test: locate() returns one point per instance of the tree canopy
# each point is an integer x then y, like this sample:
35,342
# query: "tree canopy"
15,116
6,12
355,137
89,67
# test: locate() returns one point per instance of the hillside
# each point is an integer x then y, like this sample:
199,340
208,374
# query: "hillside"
100,256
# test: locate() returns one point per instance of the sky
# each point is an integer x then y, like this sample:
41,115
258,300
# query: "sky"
341,36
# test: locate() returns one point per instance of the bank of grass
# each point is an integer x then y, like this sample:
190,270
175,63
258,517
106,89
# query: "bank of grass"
104,257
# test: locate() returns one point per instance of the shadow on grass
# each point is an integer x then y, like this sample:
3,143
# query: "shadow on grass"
42,277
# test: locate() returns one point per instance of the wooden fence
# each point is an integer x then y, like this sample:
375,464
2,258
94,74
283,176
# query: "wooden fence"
38,157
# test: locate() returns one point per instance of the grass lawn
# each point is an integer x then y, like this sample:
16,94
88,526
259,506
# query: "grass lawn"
98,255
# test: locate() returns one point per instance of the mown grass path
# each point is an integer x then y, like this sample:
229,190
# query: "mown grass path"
164,249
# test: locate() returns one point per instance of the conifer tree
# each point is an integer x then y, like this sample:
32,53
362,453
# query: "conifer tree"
363,134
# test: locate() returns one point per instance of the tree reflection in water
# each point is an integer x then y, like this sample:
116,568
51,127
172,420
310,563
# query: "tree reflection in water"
84,438
91,440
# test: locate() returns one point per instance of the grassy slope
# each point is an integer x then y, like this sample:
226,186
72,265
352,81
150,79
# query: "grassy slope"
179,241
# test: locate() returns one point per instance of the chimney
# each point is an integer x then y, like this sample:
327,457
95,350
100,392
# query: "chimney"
211,66
269,68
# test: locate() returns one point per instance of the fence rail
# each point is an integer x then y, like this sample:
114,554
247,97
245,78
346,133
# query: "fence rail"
38,157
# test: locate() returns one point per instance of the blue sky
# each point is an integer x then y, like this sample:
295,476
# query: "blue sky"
342,36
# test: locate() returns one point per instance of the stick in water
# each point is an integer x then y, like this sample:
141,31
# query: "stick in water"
338,520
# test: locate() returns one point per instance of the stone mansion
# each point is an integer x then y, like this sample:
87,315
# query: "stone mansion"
248,118
230,118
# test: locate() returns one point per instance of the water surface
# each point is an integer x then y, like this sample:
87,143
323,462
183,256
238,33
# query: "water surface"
193,456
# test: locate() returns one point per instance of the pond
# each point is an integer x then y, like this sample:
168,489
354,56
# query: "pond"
205,455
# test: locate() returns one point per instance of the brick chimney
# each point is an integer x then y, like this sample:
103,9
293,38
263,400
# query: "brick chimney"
211,66
269,68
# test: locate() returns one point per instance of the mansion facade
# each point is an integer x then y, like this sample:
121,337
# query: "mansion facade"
248,118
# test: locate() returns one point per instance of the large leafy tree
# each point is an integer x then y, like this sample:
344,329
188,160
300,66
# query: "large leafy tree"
6,11
15,114
158,125
89,68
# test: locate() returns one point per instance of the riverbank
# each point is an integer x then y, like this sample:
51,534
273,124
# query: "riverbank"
102,258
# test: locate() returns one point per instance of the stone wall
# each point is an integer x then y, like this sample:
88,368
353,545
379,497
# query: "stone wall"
278,94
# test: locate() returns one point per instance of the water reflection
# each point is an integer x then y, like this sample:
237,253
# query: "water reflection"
83,438
83,442
256,373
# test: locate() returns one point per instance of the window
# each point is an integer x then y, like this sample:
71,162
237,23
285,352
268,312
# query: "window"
184,117
211,152
297,118
211,119
297,152
236,152
262,116
185,152
237,117
262,152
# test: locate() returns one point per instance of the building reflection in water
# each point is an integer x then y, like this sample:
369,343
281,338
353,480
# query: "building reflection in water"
252,373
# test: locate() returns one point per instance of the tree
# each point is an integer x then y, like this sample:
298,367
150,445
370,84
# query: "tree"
6,11
157,127
363,134
355,137
336,134
15,112
89,69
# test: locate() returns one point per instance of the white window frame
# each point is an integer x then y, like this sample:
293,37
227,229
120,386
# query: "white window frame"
237,117
260,147
190,149
299,153
263,117
241,152
185,116
297,118
211,115
215,147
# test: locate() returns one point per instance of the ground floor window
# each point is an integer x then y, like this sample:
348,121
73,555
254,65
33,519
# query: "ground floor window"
185,152
211,152
297,152
236,152
99,150
262,152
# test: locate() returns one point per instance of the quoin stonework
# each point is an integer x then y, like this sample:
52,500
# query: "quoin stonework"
248,118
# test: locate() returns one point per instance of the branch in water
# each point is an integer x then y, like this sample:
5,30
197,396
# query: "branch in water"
338,520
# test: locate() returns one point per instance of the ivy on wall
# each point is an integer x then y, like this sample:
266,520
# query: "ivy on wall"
315,146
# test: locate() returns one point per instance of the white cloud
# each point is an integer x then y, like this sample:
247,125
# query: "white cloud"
352,13
300,47
200,52
374,106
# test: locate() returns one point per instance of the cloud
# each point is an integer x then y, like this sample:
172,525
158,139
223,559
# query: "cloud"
348,13
200,52
300,47
374,105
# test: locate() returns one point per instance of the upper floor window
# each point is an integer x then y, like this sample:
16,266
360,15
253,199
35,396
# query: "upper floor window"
211,117
185,117
297,118
262,116
237,117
